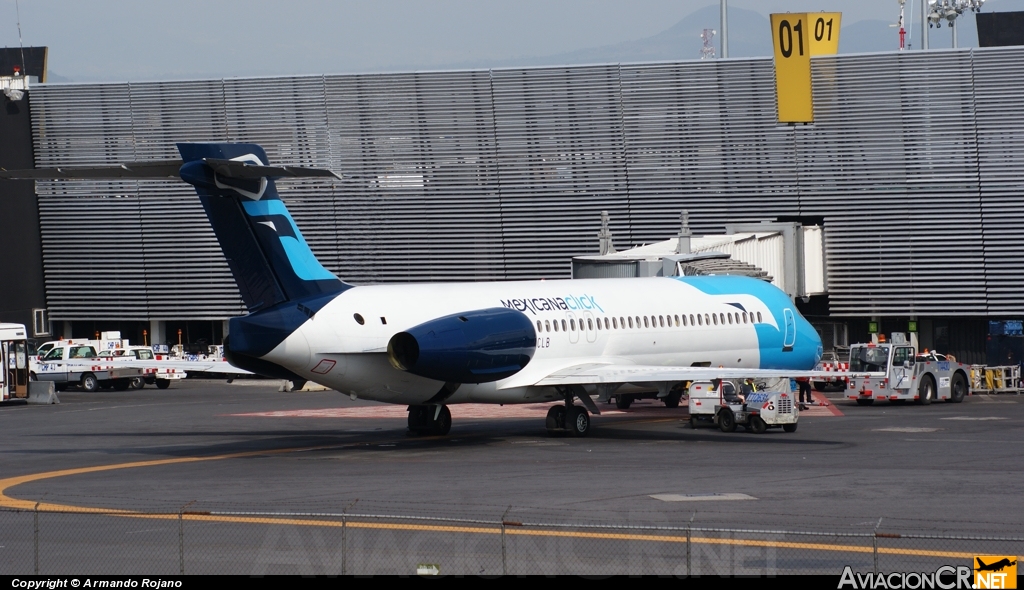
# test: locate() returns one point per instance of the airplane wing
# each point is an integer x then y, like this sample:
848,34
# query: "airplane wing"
596,372
196,366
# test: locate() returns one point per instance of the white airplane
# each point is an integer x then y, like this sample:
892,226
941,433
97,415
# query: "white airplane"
430,345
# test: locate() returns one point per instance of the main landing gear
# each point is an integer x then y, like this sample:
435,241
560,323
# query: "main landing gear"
570,418
433,420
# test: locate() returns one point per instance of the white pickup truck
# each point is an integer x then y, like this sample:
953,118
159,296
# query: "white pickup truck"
153,373
77,364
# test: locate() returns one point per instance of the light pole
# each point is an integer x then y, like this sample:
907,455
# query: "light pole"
936,11
725,29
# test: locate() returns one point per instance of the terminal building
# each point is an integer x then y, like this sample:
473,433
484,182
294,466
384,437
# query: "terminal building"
912,173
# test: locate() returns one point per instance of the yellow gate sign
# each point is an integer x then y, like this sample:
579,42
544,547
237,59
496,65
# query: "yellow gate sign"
796,37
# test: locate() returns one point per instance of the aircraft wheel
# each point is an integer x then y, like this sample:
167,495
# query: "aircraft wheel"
672,399
926,391
623,402
726,421
443,424
865,402
418,419
789,427
957,388
578,421
555,419
758,424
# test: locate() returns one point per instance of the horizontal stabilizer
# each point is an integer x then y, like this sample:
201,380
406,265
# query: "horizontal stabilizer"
153,169
167,169
237,169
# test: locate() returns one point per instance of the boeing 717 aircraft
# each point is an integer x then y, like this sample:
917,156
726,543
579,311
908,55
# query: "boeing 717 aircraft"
431,345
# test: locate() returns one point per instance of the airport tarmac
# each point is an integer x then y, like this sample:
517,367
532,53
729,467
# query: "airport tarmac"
943,468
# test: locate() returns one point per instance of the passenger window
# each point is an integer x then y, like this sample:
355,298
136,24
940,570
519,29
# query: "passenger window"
572,324
759,317
547,326
637,322
744,317
590,324
730,318
615,323
607,324
540,328
645,322
630,323
563,326
684,319
661,321
722,316
692,323
700,320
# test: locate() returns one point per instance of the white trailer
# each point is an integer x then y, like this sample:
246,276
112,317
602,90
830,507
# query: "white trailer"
897,373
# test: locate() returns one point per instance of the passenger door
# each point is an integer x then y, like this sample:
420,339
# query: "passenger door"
574,328
591,329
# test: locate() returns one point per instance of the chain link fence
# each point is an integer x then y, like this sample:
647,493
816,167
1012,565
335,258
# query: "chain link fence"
53,542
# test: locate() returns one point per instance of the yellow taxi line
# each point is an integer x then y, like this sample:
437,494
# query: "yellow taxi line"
8,502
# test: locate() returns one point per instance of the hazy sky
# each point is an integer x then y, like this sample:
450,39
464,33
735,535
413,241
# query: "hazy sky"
142,40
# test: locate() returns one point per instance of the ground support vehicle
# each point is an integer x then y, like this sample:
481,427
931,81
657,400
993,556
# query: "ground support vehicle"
831,363
758,411
77,365
153,372
1000,379
14,372
895,372
668,395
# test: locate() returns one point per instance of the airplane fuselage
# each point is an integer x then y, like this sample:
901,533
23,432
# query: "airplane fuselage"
677,321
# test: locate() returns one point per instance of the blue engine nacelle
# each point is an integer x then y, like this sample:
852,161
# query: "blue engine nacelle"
473,347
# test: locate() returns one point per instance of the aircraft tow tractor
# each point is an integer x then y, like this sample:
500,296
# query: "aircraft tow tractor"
720,405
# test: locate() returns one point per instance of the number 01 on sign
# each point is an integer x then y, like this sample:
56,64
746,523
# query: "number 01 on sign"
798,36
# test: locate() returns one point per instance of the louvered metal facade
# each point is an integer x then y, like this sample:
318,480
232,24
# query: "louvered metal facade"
915,164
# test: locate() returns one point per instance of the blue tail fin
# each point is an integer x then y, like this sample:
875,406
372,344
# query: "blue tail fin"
268,257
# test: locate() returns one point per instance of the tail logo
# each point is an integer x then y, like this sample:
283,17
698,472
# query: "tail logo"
255,196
